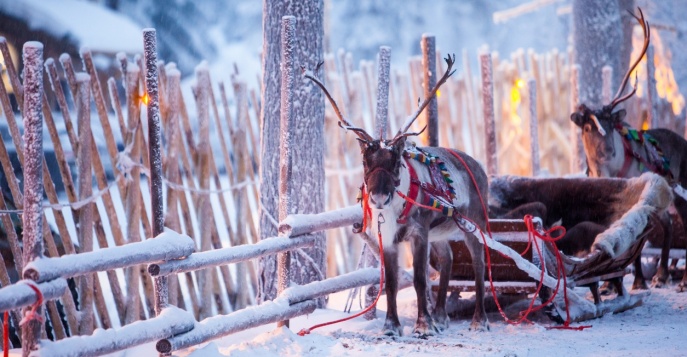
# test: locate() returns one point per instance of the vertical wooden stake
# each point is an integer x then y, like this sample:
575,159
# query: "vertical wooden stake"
607,79
429,78
286,204
154,147
33,179
578,158
652,94
488,112
382,113
534,131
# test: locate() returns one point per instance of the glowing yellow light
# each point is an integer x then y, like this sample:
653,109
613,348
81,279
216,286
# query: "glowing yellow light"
145,99
520,83
438,93
515,96
645,125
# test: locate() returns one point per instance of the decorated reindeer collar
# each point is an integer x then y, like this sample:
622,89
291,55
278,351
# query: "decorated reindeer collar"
655,162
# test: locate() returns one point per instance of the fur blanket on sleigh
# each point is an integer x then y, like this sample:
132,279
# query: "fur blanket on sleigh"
621,206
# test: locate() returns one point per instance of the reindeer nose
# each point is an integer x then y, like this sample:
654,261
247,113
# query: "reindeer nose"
380,199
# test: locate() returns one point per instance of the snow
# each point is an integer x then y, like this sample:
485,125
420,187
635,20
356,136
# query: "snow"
20,294
88,24
167,246
298,224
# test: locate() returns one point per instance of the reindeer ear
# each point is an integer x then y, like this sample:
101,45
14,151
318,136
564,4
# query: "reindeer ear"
400,145
363,145
619,116
577,118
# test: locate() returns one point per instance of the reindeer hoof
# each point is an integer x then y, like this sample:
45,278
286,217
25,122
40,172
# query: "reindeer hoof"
639,285
441,321
607,289
392,329
480,326
658,282
682,287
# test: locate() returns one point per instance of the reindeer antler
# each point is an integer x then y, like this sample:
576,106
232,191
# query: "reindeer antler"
343,123
647,34
402,132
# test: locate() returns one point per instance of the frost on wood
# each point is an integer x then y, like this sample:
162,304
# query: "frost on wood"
230,255
607,78
316,289
170,321
167,246
222,325
383,72
308,131
534,131
298,224
597,37
429,79
33,175
652,94
19,294
488,112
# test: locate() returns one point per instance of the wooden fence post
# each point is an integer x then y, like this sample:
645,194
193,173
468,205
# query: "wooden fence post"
607,80
429,78
383,72
154,148
286,204
578,156
651,92
33,181
534,130
488,112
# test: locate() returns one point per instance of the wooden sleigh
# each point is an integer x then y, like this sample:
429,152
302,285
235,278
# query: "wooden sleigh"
630,213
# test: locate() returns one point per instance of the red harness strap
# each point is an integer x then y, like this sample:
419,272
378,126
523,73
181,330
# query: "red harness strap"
413,191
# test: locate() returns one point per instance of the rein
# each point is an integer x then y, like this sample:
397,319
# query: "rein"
628,135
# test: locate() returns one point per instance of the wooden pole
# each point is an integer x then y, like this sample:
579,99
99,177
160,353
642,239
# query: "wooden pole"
652,94
488,112
534,131
286,203
33,177
383,72
155,150
578,157
607,79
429,78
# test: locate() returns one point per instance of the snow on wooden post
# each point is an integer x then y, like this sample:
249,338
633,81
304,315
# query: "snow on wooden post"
607,82
205,216
382,113
578,157
488,112
32,219
534,131
20,294
429,69
652,94
85,213
154,148
286,201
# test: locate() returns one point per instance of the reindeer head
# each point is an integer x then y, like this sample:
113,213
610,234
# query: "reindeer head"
383,159
598,124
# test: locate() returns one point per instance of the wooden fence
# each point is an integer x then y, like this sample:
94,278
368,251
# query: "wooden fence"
211,192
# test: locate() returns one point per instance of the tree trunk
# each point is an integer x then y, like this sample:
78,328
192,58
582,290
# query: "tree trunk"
308,150
598,40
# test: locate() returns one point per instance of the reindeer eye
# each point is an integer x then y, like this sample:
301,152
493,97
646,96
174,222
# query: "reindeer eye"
587,128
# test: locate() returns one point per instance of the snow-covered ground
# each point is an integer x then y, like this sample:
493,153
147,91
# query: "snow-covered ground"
656,328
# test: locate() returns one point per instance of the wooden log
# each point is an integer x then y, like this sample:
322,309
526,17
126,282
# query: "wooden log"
362,277
607,79
171,321
168,246
223,325
298,224
652,93
202,260
20,295
12,72
578,157
32,219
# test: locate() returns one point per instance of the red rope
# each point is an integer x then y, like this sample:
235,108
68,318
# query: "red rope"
306,331
31,315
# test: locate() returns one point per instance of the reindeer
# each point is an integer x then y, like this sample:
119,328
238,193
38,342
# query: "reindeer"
393,185
614,149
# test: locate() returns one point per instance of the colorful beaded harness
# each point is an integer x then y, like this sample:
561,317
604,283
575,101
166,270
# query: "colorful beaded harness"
657,162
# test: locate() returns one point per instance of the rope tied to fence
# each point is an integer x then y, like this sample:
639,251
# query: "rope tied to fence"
6,334
380,220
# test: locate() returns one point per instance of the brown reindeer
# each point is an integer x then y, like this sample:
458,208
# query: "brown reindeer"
614,149
393,183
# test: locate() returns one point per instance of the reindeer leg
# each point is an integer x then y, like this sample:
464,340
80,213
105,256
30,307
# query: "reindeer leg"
661,277
441,254
424,326
392,327
683,284
639,283
479,319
